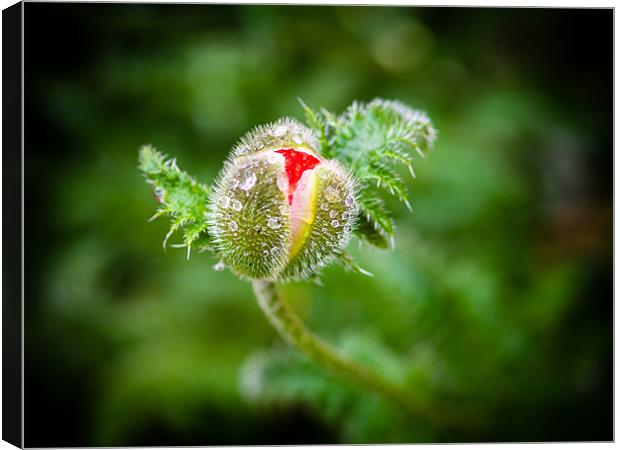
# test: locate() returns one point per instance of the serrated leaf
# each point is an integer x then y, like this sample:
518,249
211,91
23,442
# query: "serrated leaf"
367,231
349,264
316,122
369,139
373,209
181,197
386,178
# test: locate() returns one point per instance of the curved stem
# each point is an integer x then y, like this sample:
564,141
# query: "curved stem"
292,329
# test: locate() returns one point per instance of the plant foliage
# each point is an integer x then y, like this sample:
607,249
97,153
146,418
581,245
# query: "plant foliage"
369,139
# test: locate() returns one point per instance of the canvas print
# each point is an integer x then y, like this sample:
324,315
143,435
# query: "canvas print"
283,225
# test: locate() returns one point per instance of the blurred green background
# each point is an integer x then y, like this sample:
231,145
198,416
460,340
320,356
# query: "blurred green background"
499,290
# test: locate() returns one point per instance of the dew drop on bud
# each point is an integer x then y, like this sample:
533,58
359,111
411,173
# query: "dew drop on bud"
236,204
349,201
233,226
345,215
248,182
274,223
223,202
273,157
219,266
331,194
234,183
159,193
298,138
332,214
279,131
282,182
335,223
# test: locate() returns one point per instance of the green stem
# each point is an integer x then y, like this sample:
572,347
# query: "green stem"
292,329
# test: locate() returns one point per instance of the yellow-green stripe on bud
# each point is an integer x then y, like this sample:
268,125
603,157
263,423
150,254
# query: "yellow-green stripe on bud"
280,211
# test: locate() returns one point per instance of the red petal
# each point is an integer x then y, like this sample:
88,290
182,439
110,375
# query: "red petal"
295,164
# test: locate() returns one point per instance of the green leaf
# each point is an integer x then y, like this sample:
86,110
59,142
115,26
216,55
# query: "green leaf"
370,139
375,224
349,264
280,376
181,197
316,122
385,177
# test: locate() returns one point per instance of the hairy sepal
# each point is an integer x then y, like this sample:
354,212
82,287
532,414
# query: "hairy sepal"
335,211
249,216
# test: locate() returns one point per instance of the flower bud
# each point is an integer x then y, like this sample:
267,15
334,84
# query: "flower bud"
279,210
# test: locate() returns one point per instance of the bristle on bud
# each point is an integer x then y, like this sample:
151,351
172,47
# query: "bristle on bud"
280,211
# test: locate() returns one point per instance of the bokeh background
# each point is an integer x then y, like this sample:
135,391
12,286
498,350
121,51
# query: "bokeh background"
499,289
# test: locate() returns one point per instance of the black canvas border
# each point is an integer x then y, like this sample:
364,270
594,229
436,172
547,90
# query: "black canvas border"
12,230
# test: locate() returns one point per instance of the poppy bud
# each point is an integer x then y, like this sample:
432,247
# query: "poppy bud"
279,210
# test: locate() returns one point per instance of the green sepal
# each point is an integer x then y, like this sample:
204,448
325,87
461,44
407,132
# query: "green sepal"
249,216
334,216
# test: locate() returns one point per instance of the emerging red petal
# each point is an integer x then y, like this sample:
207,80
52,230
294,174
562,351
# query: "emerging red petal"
295,164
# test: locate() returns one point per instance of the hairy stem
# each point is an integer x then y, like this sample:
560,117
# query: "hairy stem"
292,329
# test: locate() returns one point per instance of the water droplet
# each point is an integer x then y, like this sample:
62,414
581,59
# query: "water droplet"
233,226
282,182
324,206
248,181
279,131
265,252
274,223
347,228
324,230
236,204
331,194
332,214
159,193
349,201
223,202
234,182
346,215
242,149
335,223
298,138
219,266
259,145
